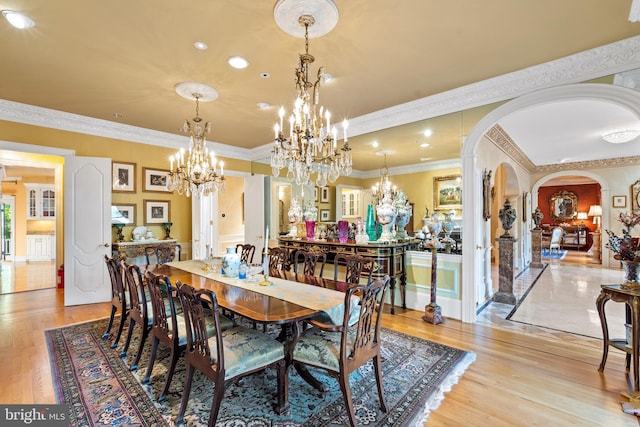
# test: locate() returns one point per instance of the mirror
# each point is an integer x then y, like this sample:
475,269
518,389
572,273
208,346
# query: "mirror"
563,205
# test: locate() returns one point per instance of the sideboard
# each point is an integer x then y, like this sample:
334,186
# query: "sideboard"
389,258
134,252
575,236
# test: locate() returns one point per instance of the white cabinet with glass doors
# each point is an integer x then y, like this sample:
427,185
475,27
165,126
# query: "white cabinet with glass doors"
41,201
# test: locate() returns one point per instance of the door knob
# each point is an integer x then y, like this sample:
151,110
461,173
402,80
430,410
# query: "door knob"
106,245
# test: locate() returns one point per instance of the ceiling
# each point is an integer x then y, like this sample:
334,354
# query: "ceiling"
120,60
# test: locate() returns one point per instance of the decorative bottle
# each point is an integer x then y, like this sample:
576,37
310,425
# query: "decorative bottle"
231,262
371,224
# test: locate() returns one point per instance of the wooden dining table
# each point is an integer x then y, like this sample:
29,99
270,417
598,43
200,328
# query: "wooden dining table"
254,305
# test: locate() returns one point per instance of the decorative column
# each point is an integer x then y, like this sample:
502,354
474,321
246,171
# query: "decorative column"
432,311
536,240
506,242
596,236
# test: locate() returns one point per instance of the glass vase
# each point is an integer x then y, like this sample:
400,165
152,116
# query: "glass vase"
631,274
371,224
343,231
311,229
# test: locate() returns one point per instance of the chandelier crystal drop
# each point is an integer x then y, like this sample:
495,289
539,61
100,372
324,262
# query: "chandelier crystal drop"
311,144
197,171
382,187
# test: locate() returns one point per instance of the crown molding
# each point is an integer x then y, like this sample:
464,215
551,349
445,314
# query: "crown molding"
613,58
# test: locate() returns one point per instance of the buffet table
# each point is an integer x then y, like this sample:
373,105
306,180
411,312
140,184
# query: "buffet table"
389,258
134,252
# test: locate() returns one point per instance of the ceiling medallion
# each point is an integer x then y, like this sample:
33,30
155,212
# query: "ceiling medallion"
621,136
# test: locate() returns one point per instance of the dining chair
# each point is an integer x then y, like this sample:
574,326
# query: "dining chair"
355,267
278,259
227,354
161,254
310,261
246,252
556,239
119,299
341,349
140,311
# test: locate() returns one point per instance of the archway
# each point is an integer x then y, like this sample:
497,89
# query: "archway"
472,169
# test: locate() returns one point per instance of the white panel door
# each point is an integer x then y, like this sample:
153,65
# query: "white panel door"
254,214
87,229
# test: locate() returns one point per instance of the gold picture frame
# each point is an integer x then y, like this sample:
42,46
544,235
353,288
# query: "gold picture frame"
619,202
123,177
123,214
447,192
635,197
157,212
155,180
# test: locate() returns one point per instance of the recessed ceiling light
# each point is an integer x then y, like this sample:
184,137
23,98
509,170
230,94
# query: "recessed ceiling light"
238,62
18,20
424,145
263,105
424,159
118,115
375,144
265,75
200,45
427,133
621,136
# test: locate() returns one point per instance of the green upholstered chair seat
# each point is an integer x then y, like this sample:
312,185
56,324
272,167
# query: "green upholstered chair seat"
246,350
319,348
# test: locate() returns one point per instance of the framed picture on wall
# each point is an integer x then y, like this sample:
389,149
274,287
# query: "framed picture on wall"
123,177
324,197
155,180
447,192
315,194
324,214
635,197
156,211
619,201
123,214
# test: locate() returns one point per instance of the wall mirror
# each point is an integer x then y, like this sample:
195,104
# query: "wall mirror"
563,205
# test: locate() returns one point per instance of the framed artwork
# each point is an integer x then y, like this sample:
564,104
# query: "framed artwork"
324,197
156,211
447,192
635,197
525,202
315,194
123,214
619,201
155,180
123,177
324,214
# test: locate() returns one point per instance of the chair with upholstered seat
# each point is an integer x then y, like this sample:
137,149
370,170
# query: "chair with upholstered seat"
556,239
119,299
139,311
309,262
246,252
341,349
228,354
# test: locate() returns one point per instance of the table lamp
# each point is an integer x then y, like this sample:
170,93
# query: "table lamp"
582,216
596,212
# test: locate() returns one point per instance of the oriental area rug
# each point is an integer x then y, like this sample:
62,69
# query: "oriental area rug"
96,383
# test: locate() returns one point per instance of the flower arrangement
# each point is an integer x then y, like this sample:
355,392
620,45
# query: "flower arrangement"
626,248
310,212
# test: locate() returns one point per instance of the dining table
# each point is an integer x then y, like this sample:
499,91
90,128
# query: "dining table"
288,298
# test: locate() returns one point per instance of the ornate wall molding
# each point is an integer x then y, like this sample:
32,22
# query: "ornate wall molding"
503,141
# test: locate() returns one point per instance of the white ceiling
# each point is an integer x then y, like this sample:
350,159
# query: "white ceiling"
100,59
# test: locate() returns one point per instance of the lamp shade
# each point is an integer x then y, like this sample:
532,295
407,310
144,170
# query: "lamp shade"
582,215
595,210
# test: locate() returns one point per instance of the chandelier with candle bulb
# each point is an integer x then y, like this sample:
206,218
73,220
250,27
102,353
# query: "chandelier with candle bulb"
310,145
382,187
196,171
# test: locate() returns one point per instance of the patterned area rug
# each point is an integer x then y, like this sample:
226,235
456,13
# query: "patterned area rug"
94,380
554,255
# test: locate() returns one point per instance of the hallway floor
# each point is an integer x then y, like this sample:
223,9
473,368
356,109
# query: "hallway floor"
20,276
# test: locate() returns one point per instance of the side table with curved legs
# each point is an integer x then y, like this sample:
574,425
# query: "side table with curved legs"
631,297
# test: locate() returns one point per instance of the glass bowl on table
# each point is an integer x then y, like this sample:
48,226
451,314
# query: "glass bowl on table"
255,273
213,264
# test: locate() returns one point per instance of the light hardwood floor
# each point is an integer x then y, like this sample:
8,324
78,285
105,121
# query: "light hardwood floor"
524,377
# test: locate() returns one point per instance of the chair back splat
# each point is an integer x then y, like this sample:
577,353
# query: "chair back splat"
161,254
311,262
355,266
279,259
341,349
246,252
140,311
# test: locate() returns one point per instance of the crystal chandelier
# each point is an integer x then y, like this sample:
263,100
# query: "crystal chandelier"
382,187
311,144
195,171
